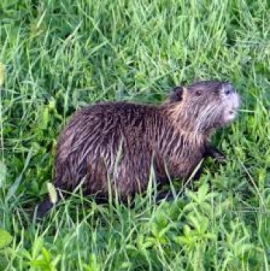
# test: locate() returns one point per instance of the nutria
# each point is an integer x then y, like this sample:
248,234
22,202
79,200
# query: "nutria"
118,143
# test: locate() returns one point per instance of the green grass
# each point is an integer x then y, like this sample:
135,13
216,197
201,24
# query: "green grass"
61,55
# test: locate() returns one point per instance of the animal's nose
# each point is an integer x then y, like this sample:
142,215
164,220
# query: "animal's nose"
227,89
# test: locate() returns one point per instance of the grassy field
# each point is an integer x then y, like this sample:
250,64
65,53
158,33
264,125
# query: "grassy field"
61,55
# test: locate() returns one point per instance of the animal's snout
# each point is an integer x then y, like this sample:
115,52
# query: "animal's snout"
227,89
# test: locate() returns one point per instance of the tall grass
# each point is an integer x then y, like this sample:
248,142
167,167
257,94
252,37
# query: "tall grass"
61,55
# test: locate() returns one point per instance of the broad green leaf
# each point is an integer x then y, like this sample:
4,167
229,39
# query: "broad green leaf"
5,238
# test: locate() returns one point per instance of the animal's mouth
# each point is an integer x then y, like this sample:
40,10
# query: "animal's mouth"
231,107
232,112
230,115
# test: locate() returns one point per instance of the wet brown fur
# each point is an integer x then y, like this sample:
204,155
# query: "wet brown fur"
118,142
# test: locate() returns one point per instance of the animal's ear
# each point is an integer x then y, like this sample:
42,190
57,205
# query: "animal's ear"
177,94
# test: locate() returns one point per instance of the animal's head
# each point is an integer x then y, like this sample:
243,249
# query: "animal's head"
205,105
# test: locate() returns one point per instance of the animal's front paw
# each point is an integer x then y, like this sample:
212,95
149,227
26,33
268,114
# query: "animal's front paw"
219,157
215,154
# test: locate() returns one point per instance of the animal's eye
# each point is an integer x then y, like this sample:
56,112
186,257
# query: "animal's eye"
198,92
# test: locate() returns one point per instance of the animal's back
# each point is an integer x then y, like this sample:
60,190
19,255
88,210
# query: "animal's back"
107,141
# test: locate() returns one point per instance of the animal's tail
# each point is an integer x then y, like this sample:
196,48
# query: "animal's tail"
44,207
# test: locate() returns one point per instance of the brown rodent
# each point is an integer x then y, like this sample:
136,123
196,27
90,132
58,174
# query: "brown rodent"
112,146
